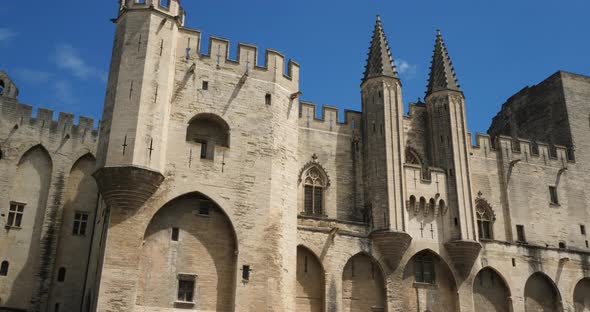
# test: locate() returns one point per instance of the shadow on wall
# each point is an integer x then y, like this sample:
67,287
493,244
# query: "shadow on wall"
31,187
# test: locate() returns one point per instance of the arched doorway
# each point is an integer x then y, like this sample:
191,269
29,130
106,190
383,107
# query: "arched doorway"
428,284
490,292
310,282
189,257
582,296
363,286
540,294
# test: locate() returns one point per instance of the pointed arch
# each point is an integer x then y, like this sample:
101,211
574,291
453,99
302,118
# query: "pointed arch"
413,157
208,272
208,130
314,181
363,284
582,295
310,281
428,283
491,292
541,294
485,218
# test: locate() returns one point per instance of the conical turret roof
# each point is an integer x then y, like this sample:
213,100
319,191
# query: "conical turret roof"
442,73
379,61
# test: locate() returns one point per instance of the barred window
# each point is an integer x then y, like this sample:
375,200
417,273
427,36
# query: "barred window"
15,214
80,223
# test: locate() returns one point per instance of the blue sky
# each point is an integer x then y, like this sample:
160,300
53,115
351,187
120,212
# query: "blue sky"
58,52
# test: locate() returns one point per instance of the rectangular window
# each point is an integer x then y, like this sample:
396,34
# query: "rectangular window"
204,207
175,234
553,194
318,199
268,99
186,288
205,85
15,214
583,229
203,148
80,223
520,233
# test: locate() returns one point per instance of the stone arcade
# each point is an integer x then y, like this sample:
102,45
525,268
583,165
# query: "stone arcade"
221,191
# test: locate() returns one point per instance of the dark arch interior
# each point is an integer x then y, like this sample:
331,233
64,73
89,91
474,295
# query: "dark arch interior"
363,286
490,292
310,282
540,294
582,295
209,131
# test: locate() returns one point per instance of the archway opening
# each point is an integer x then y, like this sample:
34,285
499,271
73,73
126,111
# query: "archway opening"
189,257
310,282
363,286
490,292
540,294
208,130
582,296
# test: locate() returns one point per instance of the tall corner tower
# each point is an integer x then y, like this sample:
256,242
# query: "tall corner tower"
445,104
383,138
132,146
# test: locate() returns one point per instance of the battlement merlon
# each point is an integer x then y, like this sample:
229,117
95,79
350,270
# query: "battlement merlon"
218,58
329,120
520,149
17,115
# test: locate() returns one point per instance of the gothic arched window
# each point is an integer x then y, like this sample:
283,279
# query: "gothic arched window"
485,219
314,186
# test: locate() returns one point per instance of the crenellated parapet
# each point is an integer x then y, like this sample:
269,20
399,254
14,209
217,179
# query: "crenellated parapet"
329,120
246,63
17,115
521,149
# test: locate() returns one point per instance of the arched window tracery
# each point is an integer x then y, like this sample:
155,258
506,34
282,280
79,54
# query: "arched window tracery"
485,218
314,187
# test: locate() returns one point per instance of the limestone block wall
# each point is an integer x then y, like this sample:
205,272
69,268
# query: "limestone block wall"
45,166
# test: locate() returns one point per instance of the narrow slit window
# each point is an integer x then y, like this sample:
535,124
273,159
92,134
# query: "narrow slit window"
553,195
4,268
520,235
205,85
203,149
15,215
175,234
268,99
246,272
583,229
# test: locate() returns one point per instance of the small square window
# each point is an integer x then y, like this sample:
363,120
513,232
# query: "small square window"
553,195
175,234
204,208
520,233
80,223
205,85
15,215
562,245
186,287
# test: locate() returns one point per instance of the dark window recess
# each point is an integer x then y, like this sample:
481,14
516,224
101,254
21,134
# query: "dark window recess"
562,245
205,85
4,268
175,234
513,262
587,245
186,289
204,208
451,173
553,194
56,307
485,229
313,200
246,272
520,233
424,269
583,229
456,222
15,215
268,99
80,223
1,88
61,274
203,148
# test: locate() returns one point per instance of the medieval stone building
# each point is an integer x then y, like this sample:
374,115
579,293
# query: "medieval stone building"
221,191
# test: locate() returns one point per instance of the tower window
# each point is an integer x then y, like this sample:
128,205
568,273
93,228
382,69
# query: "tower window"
246,272
582,229
485,219
205,85
175,234
4,268
1,88
208,130
268,99
520,236
165,3
80,223
15,215
424,269
562,245
61,274
186,288
553,195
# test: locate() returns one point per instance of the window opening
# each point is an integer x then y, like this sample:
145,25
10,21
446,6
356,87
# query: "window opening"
314,192
175,234
1,88
57,306
186,290
485,220
520,233
205,85
80,223
583,229
4,268
424,269
553,195
204,207
562,245
268,99
61,274
513,262
246,272
15,215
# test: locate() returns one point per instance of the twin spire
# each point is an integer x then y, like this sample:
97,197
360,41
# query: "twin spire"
380,62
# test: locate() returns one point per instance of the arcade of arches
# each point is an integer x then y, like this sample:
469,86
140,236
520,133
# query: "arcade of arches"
490,292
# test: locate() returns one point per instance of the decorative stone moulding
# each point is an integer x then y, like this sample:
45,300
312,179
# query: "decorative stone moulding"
463,254
392,245
127,188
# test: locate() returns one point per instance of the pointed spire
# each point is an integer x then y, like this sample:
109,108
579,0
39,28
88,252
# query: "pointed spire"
379,61
442,73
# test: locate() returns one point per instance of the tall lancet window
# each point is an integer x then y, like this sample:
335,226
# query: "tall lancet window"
485,218
314,187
